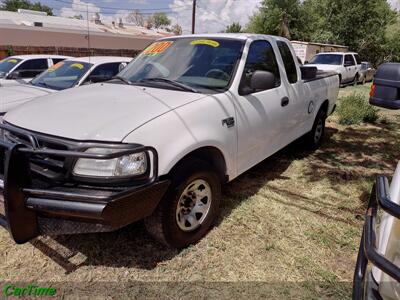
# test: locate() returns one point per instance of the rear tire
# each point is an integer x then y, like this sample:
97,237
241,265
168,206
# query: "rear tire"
189,208
315,137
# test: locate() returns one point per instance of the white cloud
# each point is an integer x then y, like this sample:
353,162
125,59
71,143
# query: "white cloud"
80,8
212,15
395,4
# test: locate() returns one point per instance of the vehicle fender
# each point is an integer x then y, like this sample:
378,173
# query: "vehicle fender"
179,132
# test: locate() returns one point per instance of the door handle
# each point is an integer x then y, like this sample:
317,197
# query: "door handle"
284,101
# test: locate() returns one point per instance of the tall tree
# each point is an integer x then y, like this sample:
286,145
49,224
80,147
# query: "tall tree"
135,18
14,5
159,19
278,17
234,28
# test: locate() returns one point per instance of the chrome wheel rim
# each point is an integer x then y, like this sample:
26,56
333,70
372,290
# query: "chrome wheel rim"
318,131
193,205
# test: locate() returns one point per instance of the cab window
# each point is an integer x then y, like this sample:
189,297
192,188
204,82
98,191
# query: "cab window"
288,61
261,57
358,60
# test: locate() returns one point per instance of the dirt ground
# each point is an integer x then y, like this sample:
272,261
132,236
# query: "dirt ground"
290,229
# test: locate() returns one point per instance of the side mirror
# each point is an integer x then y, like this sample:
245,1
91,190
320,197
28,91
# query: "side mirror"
385,91
122,66
306,62
262,80
308,73
99,78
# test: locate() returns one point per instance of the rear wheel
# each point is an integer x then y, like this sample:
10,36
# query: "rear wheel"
315,136
190,206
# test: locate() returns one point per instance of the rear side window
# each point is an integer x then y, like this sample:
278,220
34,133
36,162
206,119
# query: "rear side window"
32,67
349,60
110,69
57,60
358,60
261,57
34,64
288,61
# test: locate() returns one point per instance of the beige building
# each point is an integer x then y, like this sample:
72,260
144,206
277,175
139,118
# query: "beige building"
28,32
306,50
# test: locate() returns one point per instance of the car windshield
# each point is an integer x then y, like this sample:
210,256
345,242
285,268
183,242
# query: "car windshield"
327,59
62,75
192,63
8,64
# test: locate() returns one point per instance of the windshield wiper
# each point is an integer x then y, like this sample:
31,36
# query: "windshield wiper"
123,79
171,82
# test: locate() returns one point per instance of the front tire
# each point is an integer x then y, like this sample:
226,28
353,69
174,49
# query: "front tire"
189,208
315,136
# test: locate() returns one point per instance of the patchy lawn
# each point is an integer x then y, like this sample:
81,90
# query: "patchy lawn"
290,228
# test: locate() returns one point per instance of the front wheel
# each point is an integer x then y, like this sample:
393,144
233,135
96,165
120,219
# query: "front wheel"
188,210
315,136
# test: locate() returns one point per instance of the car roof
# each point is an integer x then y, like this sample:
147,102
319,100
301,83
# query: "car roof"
30,56
238,36
100,59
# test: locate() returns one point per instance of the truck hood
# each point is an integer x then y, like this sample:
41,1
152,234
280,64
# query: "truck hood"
99,112
324,67
12,96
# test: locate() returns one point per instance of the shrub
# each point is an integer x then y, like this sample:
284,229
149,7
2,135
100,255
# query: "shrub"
355,109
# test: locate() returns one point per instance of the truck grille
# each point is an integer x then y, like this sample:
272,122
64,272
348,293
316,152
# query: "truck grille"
47,166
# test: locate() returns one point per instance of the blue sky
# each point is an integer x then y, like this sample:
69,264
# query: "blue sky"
212,15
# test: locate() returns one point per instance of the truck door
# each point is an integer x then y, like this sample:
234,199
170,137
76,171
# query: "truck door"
261,115
296,111
351,67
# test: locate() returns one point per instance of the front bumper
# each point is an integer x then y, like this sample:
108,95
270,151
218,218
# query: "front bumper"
364,286
28,210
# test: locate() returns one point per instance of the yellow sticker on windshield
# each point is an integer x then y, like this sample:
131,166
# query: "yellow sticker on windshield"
79,66
211,43
157,48
56,66
14,61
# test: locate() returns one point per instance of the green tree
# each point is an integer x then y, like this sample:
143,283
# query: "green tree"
159,19
234,28
392,45
279,17
14,5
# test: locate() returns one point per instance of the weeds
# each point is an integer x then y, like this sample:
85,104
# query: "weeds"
355,109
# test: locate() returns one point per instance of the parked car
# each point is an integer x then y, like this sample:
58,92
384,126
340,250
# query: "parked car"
367,72
382,249
15,70
69,73
187,115
347,65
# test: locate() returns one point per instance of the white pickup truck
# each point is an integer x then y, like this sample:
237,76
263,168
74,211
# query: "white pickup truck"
20,69
347,65
66,74
187,115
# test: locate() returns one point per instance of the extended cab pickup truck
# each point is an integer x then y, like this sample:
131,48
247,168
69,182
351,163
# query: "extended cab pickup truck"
187,115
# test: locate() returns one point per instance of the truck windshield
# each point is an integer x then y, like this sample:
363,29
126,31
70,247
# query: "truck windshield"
62,76
6,65
327,59
194,63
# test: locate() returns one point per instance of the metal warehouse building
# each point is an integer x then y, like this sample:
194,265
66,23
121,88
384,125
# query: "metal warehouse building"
27,32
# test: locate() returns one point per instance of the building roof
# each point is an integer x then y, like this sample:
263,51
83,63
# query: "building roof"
33,19
100,59
337,53
319,44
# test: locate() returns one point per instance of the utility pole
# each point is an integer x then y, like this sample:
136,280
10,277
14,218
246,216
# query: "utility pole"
194,16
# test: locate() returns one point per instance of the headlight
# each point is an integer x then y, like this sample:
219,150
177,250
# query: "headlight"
129,165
